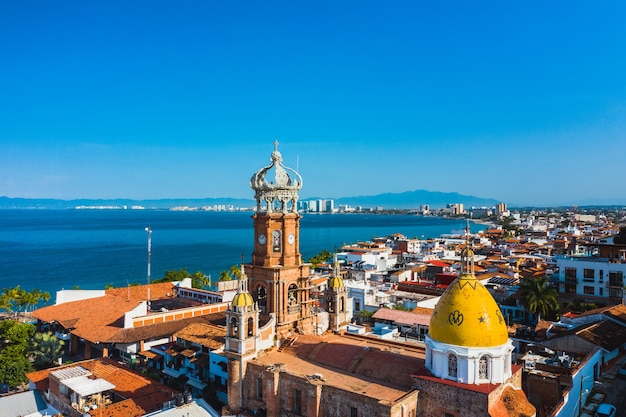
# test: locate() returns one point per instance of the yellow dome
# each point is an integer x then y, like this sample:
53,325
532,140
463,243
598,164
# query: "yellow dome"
243,299
467,315
335,282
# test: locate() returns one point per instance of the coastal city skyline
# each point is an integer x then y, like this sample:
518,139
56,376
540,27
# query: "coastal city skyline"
156,100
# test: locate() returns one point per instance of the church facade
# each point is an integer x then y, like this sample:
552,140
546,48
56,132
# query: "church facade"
279,367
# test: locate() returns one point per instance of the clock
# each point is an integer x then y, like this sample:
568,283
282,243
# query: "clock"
262,239
291,238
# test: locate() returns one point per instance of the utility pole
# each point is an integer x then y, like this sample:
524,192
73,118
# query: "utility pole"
149,230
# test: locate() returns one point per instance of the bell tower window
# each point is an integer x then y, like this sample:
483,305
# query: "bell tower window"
452,365
234,327
483,367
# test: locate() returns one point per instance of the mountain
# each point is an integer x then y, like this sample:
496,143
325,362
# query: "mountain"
406,200
414,199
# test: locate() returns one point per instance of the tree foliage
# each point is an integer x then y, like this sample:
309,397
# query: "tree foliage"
14,343
233,273
17,299
538,296
46,348
323,257
620,238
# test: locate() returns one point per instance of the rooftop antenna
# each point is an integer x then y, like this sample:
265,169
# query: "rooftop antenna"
149,230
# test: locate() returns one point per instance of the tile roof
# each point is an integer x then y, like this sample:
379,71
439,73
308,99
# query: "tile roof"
101,319
403,317
142,395
209,336
617,312
352,364
607,334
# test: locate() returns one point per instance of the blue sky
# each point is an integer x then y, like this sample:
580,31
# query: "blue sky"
524,102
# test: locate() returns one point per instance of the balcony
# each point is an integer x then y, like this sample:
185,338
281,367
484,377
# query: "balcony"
63,335
173,372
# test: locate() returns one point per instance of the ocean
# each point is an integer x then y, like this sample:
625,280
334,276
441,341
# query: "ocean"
51,250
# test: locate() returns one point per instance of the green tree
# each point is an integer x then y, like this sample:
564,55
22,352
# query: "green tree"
14,366
538,296
225,276
5,303
173,275
323,257
620,238
233,273
14,362
46,348
365,316
200,280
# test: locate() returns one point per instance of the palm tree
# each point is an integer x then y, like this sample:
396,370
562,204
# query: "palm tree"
538,296
201,281
46,348
235,271
5,304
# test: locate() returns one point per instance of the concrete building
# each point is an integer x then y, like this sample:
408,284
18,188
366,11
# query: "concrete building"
596,277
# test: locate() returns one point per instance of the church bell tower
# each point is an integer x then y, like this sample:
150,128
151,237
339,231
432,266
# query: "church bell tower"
279,281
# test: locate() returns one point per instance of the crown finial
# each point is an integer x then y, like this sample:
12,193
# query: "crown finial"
277,190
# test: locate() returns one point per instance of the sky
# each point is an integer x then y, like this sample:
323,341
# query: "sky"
523,102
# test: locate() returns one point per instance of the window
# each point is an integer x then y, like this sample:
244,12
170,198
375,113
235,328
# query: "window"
483,367
570,274
354,412
452,365
588,290
259,388
588,275
357,306
250,327
297,401
616,278
601,278
233,326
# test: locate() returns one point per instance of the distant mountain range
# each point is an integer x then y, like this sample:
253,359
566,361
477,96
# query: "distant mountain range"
406,200
414,199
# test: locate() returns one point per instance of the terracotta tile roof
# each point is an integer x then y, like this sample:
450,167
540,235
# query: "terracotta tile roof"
441,264
142,394
607,334
164,329
423,310
352,365
402,317
205,335
617,312
101,319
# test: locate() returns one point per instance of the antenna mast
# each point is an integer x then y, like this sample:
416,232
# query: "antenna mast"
149,230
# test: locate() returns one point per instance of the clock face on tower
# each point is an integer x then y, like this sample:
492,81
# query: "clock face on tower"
291,238
262,239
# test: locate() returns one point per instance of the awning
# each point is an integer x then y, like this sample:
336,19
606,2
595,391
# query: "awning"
85,386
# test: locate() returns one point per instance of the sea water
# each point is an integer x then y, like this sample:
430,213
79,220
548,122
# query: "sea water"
51,250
